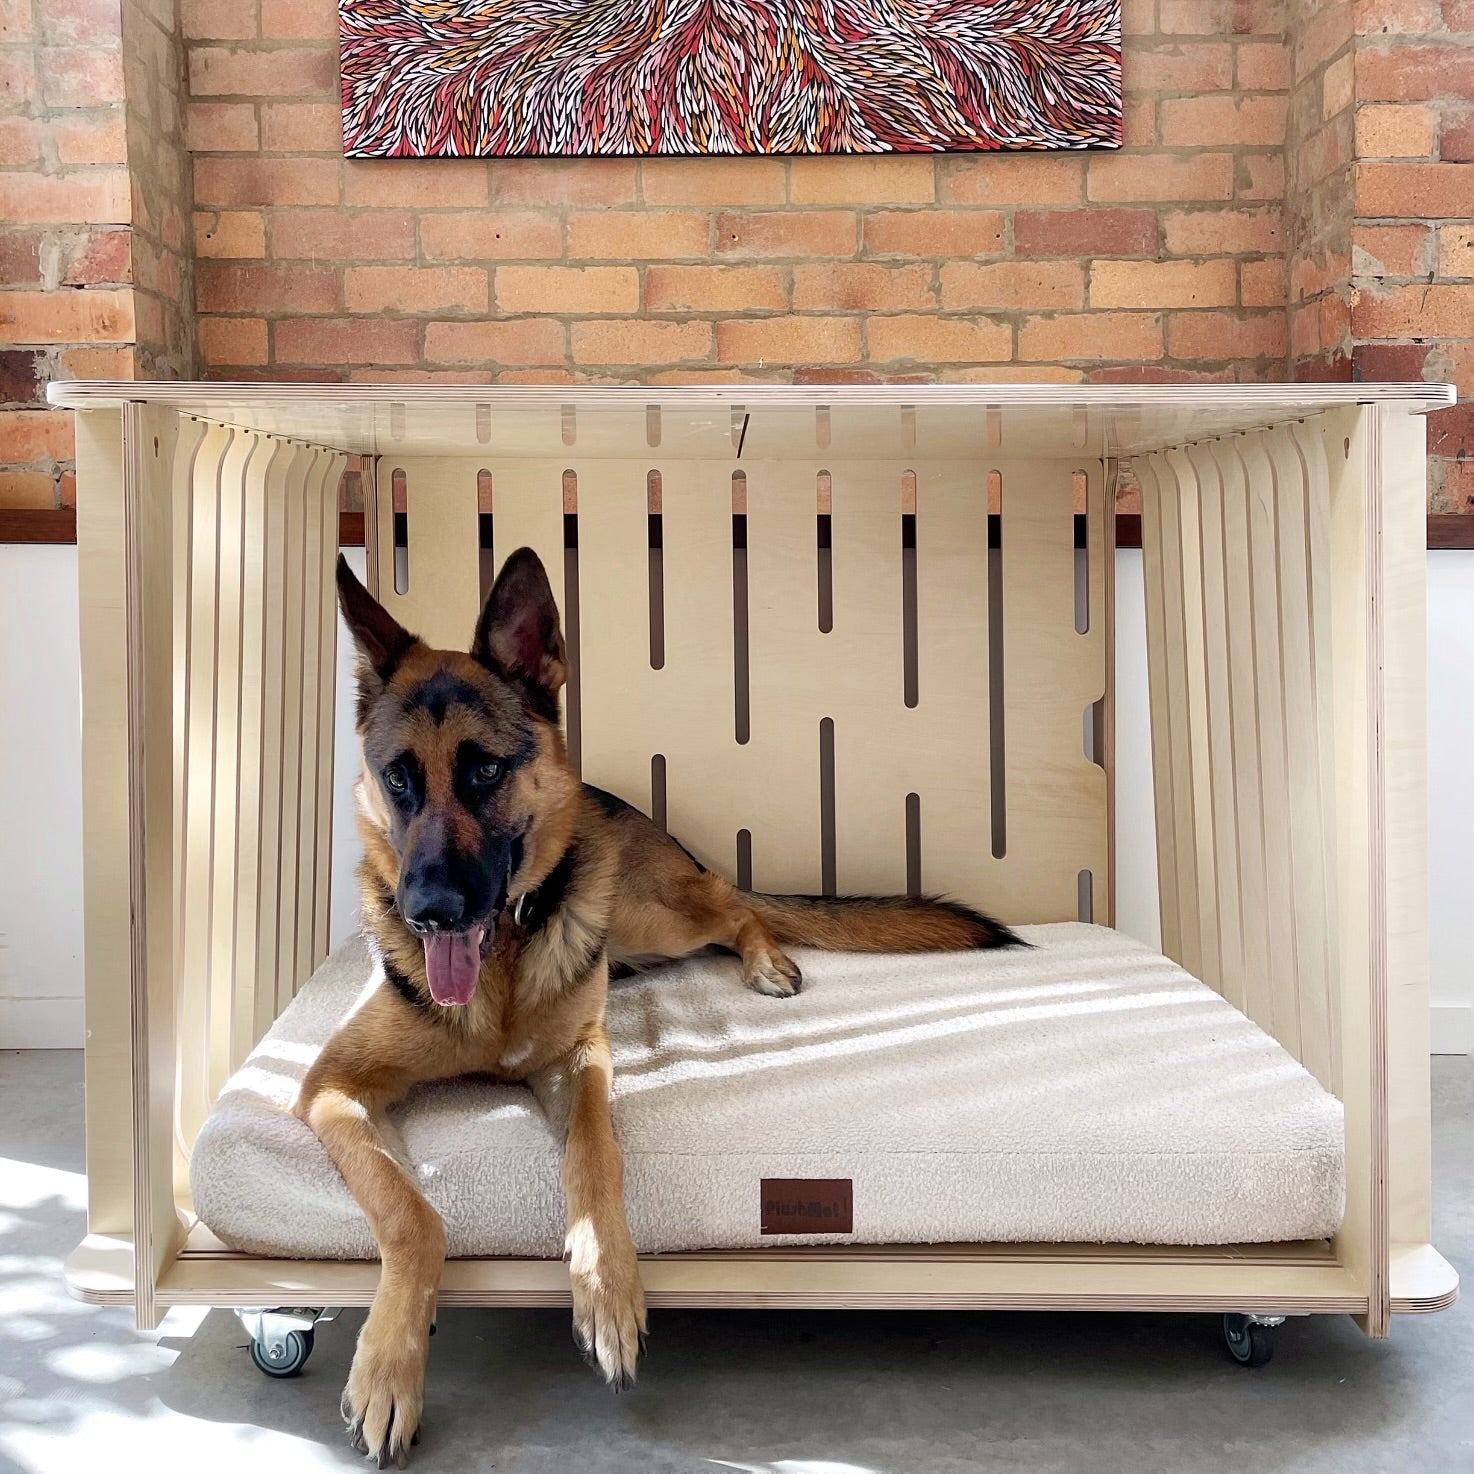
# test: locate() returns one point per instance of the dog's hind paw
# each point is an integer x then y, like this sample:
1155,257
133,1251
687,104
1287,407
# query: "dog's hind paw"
773,974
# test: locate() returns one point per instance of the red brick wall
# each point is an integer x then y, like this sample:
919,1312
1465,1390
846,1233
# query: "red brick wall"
1294,198
162,193
1319,156
66,303
1411,291
1163,262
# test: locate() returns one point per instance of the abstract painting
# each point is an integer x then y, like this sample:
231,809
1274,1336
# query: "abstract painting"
497,78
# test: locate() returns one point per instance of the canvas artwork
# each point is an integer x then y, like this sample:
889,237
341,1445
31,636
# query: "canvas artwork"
497,78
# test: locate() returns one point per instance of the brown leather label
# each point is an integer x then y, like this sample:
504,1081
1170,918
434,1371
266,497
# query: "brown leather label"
808,1205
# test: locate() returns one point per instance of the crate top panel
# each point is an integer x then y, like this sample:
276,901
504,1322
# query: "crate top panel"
750,421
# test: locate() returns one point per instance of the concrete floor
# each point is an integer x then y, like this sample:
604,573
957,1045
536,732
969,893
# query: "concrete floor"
761,1392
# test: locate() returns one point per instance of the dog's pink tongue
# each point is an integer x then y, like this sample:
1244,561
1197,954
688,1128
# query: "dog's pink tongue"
453,965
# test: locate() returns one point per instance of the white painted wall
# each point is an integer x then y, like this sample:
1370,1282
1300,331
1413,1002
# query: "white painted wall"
1451,799
41,846
40,800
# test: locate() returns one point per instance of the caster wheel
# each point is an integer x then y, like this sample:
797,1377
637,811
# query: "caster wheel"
1249,1343
294,1351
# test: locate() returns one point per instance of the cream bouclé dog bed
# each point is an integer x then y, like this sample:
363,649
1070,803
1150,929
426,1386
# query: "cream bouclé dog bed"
1085,1089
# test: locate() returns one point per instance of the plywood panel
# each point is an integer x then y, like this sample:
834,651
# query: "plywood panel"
320,531
275,514
1310,440
1405,840
1175,714
1243,702
780,764
850,675
1041,420
952,716
150,438
1274,776
1217,633
444,593
245,978
1051,675
295,617
625,719
1356,465
1311,921
326,715
528,501
106,884
1186,581
195,1093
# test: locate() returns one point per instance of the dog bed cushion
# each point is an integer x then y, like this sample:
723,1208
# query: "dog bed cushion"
1085,1089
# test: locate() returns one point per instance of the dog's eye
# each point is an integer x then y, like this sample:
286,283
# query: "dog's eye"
394,779
484,775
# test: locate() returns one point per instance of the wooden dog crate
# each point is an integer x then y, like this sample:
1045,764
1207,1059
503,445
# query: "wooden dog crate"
836,639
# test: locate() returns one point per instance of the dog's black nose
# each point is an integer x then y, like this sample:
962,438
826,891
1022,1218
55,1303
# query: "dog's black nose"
429,903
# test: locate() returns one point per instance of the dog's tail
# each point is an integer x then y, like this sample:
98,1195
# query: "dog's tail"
879,923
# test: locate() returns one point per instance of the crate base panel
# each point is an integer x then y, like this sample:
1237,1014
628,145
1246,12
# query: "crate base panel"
1284,1279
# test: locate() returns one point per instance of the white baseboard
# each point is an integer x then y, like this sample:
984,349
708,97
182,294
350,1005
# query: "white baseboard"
1453,1028
41,1023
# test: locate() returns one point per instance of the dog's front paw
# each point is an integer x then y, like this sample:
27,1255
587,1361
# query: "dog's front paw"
385,1392
608,1302
773,974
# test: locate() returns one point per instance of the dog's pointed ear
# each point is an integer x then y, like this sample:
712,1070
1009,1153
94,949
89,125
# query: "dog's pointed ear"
382,642
518,635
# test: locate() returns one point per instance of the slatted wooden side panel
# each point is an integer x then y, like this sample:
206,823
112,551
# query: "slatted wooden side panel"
767,783
255,536
1235,546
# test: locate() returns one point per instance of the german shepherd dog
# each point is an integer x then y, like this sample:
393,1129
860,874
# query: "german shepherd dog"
496,888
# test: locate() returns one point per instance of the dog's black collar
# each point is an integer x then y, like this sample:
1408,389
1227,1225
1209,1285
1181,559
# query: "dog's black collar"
533,909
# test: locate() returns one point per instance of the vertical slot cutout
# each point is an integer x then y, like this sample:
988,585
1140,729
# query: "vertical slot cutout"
824,542
655,562
821,426
1085,886
1082,553
657,792
741,692
910,634
572,700
399,484
652,425
913,844
569,424
995,665
486,554
908,427
744,859
483,424
995,427
828,871
570,492
396,422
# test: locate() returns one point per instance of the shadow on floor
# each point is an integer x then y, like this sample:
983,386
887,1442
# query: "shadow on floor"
763,1392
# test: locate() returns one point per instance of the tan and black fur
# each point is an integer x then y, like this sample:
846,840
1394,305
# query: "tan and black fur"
475,827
